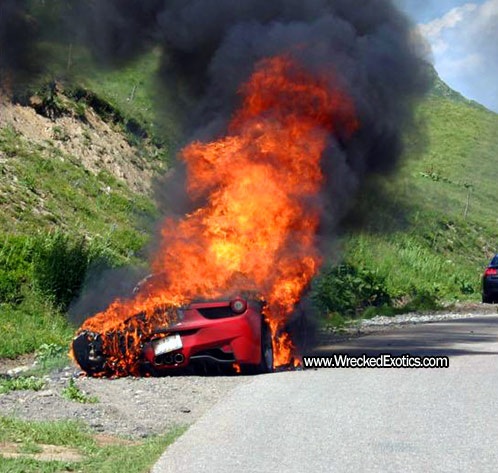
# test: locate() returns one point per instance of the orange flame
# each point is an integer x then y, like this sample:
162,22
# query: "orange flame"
260,185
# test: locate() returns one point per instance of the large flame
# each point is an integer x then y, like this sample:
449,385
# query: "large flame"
259,188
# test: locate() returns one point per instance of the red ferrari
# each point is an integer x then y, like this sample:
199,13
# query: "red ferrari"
220,333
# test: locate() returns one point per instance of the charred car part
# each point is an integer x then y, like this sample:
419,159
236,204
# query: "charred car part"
88,352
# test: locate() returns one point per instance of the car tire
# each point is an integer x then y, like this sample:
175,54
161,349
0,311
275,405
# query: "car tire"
266,363
88,352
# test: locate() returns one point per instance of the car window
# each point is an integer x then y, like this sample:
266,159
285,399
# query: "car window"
494,261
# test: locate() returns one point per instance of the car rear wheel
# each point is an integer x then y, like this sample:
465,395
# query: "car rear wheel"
266,363
88,353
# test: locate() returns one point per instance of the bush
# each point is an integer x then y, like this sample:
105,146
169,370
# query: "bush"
422,299
349,290
53,265
29,325
15,262
59,267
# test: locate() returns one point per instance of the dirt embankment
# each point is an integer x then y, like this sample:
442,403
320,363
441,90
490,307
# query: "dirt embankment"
99,146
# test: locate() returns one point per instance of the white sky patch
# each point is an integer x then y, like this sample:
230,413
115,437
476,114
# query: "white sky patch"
465,48
435,30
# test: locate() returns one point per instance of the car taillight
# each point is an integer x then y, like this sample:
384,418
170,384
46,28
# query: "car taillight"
491,272
238,306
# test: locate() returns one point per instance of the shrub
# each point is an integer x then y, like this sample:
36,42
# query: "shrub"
15,261
348,290
25,327
422,299
59,267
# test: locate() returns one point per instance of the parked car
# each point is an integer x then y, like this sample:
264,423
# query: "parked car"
208,333
490,282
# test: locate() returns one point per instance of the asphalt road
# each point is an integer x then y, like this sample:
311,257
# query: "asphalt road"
360,420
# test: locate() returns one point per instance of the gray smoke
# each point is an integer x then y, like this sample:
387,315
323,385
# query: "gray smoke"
18,35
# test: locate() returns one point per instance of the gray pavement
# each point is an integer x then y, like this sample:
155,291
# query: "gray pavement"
360,420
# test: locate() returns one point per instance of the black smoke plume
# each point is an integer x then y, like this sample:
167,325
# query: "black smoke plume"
210,47
18,41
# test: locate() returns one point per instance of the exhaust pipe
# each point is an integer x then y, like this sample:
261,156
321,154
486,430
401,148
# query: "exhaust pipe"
179,358
168,359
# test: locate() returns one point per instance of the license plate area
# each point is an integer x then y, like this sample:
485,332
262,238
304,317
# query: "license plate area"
167,345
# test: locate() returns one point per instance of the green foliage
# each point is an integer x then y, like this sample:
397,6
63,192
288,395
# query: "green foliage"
21,384
133,92
30,324
52,190
56,223
59,267
15,257
73,393
334,320
50,356
435,228
108,459
347,290
421,300
47,351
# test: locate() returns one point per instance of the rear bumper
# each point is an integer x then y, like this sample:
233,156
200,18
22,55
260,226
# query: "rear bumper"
229,340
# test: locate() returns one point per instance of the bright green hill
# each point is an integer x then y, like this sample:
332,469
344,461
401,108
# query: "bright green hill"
437,226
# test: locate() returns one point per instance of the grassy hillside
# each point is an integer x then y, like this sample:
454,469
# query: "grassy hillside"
436,226
48,189
75,191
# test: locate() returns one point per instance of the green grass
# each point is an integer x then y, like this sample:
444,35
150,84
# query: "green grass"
31,324
21,384
110,459
427,239
44,191
73,393
49,357
134,91
52,190
436,227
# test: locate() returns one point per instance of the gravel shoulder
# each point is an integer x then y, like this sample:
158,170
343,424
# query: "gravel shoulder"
379,324
130,407
140,407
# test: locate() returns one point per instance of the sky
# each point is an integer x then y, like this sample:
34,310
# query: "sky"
463,36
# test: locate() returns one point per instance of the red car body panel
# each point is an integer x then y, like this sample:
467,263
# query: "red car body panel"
225,338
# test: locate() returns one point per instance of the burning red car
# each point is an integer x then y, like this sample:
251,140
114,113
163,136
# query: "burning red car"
230,333
254,230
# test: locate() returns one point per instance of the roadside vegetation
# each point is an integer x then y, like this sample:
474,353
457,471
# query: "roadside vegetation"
81,451
73,393
21,383
426,239
60,221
